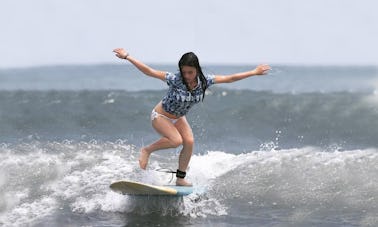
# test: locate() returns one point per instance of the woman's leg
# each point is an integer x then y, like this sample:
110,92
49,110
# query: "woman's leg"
171,138
186,133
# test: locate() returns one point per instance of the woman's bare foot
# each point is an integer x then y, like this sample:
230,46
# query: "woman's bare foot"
183,182
143,158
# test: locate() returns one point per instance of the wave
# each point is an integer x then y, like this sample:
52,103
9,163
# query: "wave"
281,79
63,179
228,119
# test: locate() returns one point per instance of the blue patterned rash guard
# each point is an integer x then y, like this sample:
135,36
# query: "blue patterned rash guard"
178,99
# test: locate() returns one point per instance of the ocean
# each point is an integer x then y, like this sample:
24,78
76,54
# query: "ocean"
297,147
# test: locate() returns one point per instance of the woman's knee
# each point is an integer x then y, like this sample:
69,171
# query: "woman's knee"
176,141
188,141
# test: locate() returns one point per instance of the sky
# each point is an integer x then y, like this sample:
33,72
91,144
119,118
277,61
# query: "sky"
239,32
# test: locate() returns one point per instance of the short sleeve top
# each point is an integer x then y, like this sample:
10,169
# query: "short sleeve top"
179,99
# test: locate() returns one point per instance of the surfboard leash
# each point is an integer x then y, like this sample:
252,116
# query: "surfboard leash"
179,174
167,170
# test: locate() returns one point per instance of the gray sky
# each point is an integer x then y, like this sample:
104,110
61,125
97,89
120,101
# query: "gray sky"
326,32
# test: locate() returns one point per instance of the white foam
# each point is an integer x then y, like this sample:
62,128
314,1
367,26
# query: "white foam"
214,164
78,176
34,181
3,179
200,206
27,213
88,190
303,178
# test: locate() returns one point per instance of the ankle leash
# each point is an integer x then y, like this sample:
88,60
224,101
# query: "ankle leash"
179,174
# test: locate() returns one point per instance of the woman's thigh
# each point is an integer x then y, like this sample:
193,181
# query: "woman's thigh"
166,128
185,130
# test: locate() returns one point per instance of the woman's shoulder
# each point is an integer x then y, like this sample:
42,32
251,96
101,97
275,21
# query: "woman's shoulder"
172,74
173,78
210,79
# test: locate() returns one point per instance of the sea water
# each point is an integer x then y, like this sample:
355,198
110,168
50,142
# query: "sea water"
297,147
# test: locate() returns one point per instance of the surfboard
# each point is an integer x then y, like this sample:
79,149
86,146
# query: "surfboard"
141,189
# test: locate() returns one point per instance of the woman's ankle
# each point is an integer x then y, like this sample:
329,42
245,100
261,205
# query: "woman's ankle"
143,158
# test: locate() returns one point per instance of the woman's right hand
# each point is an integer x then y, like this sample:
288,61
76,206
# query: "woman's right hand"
121,53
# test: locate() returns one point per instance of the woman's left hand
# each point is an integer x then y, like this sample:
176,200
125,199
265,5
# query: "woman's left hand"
262,69
121,53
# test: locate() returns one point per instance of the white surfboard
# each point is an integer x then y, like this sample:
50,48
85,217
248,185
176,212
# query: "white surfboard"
141,189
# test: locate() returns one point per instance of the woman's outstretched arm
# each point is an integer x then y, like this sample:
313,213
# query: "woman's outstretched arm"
121,53
259,70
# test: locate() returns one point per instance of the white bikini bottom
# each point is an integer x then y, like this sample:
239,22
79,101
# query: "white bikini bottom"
155,115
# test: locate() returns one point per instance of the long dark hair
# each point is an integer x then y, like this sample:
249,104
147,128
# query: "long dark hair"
190,59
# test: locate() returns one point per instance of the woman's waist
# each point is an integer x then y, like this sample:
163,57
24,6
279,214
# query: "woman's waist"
159,109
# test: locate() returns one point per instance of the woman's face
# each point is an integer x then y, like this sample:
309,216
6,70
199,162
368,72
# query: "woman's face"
189,73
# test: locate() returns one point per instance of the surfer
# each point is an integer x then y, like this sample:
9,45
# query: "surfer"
186,88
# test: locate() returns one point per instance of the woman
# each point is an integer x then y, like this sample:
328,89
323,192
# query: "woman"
186,88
